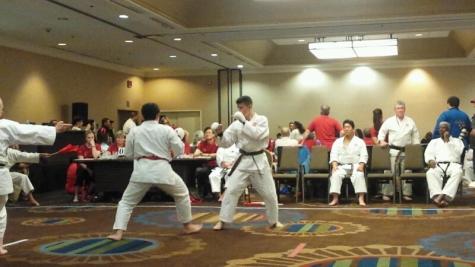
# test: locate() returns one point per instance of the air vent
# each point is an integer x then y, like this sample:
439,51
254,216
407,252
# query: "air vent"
131,8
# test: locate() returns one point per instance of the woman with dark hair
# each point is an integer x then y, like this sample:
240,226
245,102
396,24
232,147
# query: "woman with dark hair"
298,132
359,133
89,150
377,122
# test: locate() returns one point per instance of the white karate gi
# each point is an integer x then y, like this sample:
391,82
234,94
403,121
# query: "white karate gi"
153,139
228,155
469,176
346,155
12,133
128,125
400,133
439,151
253,136
15,156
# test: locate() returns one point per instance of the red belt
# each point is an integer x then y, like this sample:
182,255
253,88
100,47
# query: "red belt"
151,158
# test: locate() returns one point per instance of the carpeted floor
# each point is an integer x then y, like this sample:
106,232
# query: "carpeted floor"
314,235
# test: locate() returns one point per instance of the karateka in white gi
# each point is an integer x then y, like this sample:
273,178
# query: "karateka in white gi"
348,157
401,131
443,157
12,133
250,133
15,156
225,158
149,146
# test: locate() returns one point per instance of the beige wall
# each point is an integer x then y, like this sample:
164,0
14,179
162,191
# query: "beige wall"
38,88
190,93
297,96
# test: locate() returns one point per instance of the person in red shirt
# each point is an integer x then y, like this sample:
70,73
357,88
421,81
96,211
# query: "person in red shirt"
327,129
89,150
119,143
208,148
367,137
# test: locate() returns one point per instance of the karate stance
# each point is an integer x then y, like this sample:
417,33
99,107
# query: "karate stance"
149,145
12,133
250,133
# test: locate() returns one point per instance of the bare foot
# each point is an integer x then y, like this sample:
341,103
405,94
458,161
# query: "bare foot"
333,203
444,203
3,251
191,228
218,226
117,236
33,201
276,226
362,203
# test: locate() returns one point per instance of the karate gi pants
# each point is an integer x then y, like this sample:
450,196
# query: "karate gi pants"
135,192
3,215
397,167
357,179
435,180
22,180
263,183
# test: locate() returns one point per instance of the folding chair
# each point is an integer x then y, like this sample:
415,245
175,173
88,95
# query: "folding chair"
288,168
319,168
379,168
414,161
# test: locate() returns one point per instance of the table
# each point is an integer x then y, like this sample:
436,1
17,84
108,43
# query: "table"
114,174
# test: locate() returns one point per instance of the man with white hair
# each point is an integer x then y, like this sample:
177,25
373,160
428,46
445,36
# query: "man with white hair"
13,133
443,157
401,131
250,133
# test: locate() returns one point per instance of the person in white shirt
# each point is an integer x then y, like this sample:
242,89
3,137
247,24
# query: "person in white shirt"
131,122
443,157
149,145
12,133
401,131
298,132
285,139
468,174
250,133
348,157
225,158
16,156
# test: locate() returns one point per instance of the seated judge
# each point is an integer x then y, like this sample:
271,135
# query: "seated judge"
207,148
443,157
118,147
84,174
348,156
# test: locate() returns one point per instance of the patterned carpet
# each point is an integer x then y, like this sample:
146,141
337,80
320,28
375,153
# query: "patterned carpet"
313,235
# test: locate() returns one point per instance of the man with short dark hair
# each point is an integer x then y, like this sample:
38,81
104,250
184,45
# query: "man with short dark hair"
149,145
458,120
348,157
326,128
250,133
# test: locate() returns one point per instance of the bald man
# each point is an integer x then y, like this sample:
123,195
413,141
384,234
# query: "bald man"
326,128
12,133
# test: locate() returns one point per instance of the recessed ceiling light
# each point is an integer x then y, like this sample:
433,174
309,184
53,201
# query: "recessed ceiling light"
172,56
177,39
301,40
214,55
62,44
418,34
129,41
156,69
123,16
240,66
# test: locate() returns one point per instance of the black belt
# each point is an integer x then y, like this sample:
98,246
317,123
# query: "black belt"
245,153
447,162
400,148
